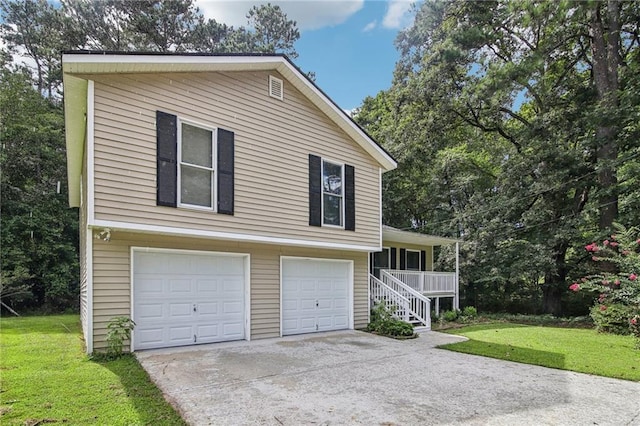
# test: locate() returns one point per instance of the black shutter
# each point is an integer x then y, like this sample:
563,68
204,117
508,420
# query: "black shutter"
349,198
403,259
167,159
423,260
315,190
225,171
394,258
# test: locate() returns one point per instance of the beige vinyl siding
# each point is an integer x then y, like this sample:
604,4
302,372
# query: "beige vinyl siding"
84,295
112,278
427,249
273,139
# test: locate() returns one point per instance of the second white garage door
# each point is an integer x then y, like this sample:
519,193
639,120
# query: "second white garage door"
316,295
185,298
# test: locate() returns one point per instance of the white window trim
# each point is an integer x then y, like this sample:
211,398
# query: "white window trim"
342,212
214,174
406,260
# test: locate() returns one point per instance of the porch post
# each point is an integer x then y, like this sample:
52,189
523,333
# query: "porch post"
437,306
456,297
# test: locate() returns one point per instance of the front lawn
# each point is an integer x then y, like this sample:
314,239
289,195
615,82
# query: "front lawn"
47,378
581,350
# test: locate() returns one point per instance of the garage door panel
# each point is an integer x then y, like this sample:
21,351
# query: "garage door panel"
181,334
150,311
205,310
207,286
180,310
179,287
233,331
307,305
232,307
149,285
150,336
164,302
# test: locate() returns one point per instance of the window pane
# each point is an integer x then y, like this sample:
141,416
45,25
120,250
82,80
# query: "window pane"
413,260
195,186
332,179
381,259
196,146
332,210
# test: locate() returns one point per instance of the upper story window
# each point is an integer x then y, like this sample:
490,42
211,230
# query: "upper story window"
332,193
196,172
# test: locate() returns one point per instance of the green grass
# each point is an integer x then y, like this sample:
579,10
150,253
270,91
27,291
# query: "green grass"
575,349
47,378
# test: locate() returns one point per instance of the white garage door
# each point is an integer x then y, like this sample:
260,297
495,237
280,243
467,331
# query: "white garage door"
186,298
315,295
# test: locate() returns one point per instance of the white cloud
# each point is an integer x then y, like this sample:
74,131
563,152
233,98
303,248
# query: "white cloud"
398,14
370,26
309,14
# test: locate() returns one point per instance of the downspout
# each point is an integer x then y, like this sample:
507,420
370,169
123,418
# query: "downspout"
456,298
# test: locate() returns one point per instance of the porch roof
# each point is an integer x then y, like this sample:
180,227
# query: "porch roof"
395,235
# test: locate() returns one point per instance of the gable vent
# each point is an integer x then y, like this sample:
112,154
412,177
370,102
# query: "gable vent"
276,88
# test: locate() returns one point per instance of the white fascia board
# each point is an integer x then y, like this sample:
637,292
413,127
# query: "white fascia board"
196,233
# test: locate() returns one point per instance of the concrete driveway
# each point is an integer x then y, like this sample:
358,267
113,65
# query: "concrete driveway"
353,377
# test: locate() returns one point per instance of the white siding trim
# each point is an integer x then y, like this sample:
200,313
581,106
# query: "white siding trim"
89,272
351,289
187,232
247,297
380,202
247,279
90,152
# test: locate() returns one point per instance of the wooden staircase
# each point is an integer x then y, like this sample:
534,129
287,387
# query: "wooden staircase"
403,301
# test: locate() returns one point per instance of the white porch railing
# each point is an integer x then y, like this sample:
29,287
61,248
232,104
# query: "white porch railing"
419,304
441,283
394,301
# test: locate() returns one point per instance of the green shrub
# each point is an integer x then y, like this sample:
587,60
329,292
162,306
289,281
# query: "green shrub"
469,312
450,316
612,318
119,331
383,322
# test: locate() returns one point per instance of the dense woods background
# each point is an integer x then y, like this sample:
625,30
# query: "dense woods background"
516,125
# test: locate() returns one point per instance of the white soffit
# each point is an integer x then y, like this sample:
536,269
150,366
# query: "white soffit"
75,113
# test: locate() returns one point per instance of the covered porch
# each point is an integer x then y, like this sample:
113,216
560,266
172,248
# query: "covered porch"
409,258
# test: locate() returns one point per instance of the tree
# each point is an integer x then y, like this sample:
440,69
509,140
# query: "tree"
273,31
514,81
39,233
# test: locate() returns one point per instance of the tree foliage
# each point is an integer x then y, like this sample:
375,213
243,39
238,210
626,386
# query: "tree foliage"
508,137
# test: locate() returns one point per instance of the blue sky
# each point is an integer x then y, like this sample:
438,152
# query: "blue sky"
347,43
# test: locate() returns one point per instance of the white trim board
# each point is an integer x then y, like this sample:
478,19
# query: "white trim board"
187,232
90,204
89,266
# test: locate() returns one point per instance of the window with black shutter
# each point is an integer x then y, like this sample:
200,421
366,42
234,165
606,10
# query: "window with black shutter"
331,194
191,158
